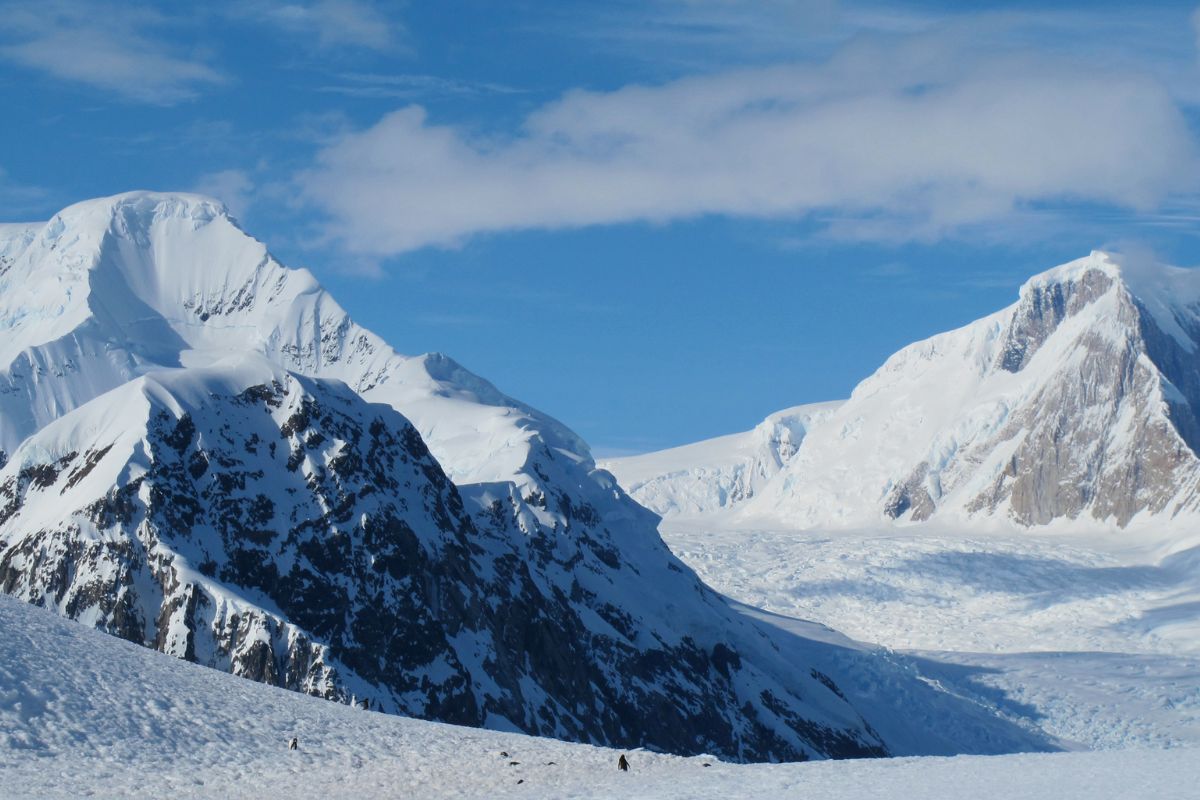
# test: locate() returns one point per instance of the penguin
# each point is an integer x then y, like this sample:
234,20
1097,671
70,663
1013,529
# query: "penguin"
623,763
293,745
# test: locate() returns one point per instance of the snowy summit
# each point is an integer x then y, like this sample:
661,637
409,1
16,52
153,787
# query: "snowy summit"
1079,404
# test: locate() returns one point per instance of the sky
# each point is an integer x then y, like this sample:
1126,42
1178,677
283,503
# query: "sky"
658,221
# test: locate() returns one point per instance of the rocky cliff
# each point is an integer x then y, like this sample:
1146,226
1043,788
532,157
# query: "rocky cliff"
1079,402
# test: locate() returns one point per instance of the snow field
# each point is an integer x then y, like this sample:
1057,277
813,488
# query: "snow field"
83,714
1093,645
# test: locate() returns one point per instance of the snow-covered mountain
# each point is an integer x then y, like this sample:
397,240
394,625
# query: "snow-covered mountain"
1078,402
716,474
205,455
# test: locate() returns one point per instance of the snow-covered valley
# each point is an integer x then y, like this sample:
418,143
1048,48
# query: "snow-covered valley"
83,714
1093,642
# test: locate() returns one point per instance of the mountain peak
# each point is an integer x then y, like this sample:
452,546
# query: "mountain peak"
1146,277
1079,401
146,270
147,206
1099,261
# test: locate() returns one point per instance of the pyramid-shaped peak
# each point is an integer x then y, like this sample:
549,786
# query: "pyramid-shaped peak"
171,249
1143,275
149,238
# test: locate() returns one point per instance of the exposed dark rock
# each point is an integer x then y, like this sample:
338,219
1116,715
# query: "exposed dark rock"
90,460
911,497
362,573
1042,310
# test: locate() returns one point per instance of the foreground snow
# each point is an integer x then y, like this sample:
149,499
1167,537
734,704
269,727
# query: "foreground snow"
83,714
1093,640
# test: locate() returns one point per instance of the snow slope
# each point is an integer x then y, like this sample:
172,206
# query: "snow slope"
82,714
716,474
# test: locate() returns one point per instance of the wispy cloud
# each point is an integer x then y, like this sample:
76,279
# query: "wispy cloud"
233,187
891,269
332,23
410,86
700,33
109,46
896,137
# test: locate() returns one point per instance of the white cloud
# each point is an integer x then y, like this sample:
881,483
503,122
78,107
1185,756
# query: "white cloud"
410,86
231,186
911,137
103,45
333,23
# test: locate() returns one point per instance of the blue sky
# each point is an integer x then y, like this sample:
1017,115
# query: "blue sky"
658,220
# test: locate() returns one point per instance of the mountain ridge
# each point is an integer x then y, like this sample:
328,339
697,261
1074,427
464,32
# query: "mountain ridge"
720,473
1077,404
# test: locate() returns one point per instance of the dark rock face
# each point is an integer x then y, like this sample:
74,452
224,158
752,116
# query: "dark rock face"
1179,366
911,497
293,534
1041,312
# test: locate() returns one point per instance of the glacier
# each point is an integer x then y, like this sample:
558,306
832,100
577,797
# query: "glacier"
699,479
1012,502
